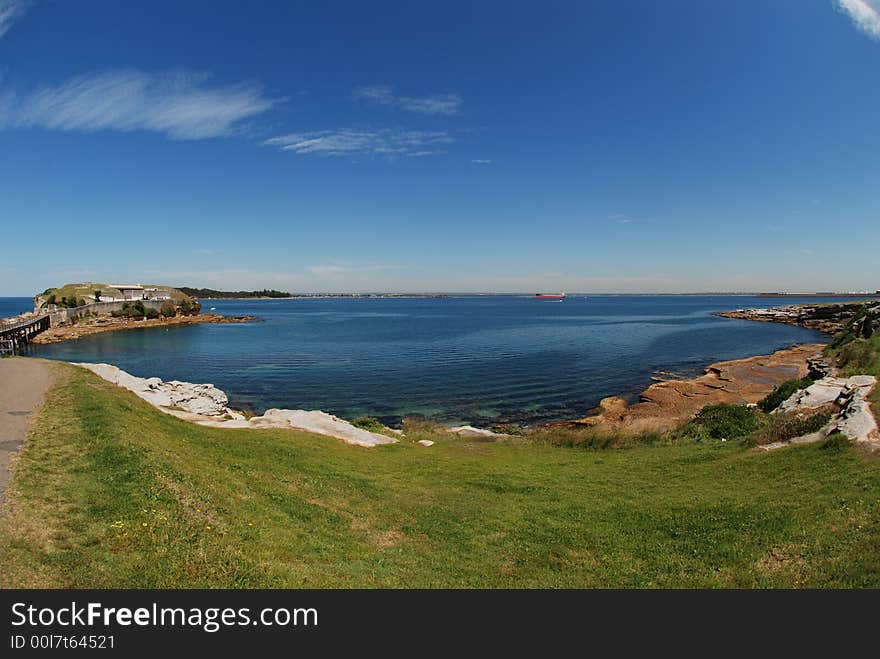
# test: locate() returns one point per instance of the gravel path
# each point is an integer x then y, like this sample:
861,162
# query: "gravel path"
23,382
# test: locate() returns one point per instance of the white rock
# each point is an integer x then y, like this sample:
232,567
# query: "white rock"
321,423
470,431
202,399
824,391
425,442
856,421
206,405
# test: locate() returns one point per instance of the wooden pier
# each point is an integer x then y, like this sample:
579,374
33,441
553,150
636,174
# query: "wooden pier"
16,334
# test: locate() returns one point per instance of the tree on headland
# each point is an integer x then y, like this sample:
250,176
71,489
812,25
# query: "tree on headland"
97,294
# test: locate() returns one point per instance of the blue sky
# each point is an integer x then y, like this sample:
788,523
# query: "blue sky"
636,146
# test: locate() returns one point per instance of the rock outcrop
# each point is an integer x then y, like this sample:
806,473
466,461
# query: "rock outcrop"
206,405
666,405
829,318
824,391
476,433
854,418
202,399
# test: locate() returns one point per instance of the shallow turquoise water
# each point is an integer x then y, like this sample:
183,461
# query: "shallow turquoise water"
476,359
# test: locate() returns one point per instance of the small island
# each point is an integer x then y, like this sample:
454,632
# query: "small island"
77,310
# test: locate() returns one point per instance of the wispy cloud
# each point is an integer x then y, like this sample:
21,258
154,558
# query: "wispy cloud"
864,13
620,218
478,161
446,104
345,142
348,268
11,11
180,105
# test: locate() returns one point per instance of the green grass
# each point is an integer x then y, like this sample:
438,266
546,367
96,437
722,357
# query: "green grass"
109,492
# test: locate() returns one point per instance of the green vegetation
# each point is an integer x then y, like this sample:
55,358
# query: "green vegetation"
782,427
857,355
72,295
725,421
370,423
189,308
211,293
168,310
109,492
836,442
781,393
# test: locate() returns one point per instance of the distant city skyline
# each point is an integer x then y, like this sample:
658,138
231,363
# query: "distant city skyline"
588,147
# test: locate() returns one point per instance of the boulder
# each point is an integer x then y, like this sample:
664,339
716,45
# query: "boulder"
201,399
320,423
476,433
425,442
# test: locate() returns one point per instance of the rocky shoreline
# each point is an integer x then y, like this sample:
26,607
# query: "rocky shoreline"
109,324
206,405
666,405
828,318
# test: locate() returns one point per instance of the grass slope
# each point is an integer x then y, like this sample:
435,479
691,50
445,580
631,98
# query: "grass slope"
109,492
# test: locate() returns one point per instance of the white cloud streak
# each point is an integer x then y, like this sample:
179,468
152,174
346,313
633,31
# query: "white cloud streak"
337,269
442,104
347,142
864,13
179,105
11,11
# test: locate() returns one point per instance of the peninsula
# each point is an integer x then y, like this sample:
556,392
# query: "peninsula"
77,310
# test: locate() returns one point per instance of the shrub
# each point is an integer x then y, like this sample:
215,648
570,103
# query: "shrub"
168,310
508,429
151,313
726,421
784,427
189,308
776,397
97,294
836,442
368,423
119,313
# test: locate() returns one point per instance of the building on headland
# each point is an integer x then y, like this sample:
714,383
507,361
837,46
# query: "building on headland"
129,291
156,294
135,292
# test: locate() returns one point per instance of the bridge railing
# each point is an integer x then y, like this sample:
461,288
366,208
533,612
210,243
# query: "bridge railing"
6,326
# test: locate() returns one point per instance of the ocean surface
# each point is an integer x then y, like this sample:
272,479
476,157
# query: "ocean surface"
482,360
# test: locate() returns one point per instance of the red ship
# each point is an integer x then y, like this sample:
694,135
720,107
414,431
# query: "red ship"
550,296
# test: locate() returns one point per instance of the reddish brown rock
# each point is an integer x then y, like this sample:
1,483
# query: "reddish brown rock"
109,324
666,405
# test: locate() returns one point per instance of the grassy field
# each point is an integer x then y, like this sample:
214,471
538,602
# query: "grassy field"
109,492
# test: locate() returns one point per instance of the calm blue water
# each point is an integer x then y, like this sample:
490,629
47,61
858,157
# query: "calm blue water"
12,306
475,359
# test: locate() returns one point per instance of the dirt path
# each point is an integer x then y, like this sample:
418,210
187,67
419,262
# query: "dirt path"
23,382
